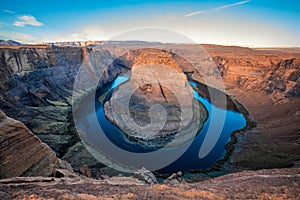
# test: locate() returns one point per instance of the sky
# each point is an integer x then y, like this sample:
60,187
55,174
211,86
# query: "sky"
255,23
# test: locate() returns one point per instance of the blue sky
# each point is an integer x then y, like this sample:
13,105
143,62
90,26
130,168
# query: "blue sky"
229,22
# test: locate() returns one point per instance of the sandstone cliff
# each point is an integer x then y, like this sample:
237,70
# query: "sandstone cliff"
156,79
271,71
22,153
36,85
266,82
36,88
276,73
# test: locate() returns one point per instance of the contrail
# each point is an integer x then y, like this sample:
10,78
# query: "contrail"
8,11
216,9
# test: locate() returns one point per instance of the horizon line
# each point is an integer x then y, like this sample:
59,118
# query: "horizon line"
218,44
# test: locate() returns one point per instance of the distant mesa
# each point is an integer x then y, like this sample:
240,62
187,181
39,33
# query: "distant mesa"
108,43
76,43
9,43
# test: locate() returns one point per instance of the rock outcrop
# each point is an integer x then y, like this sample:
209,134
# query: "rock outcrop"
36,88
266,82
239,67
22,153
285,78
263,184
275,73
36,85
157,102
145,175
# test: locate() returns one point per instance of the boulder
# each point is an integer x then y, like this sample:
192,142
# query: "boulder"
22,153
174,178
78,156
145,175
85,170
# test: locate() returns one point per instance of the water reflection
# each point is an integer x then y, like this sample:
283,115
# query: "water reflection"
190,159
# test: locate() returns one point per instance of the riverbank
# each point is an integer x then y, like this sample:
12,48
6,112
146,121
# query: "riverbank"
274,142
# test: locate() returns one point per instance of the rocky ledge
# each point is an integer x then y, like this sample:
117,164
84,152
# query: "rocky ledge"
157,103
22,153
36,85
263,184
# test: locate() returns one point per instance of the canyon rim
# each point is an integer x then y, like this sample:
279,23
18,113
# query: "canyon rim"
149,100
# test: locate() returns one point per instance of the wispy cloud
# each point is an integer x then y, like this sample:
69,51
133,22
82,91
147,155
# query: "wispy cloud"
216,9
24,38
8,11
27,20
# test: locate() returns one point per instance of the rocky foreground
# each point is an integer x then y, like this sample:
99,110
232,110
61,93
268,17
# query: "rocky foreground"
65,184
263,184
19,144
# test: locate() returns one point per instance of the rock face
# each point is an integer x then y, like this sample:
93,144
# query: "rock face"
36,88
284,78
266,82
156,103
36,85
78,157
22,153
273,72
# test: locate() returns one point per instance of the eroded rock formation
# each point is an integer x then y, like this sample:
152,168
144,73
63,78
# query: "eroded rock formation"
22,153
36,85
36,82
157,102
36,88
273,72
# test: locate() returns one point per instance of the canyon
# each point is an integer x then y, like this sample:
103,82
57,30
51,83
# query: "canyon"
36,84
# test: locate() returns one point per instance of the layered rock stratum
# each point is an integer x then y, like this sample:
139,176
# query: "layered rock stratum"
264,81
21,152
157,102
35,89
